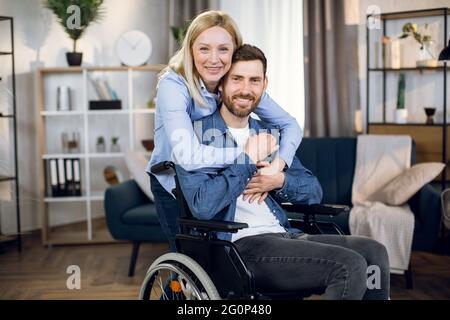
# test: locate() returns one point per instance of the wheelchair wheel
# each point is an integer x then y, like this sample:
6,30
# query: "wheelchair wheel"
175,276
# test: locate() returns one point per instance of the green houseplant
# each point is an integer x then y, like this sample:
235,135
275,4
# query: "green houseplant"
101,146
180,32
401,113
115,147
401,92
75,16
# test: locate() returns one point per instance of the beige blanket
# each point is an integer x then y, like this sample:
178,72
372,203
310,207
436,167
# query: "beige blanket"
379,159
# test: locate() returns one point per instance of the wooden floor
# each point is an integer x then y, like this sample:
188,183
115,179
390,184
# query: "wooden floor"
40,273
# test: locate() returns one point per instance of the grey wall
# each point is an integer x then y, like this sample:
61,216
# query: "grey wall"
41,41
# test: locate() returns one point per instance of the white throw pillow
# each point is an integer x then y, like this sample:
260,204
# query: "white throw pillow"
399,190
136,163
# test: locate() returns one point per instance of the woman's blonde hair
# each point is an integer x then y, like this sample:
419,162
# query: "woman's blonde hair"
183,62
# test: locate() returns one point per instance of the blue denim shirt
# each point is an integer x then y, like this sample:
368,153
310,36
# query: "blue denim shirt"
212,193
174,135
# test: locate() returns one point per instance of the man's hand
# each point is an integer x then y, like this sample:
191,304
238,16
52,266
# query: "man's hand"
260,185
259,147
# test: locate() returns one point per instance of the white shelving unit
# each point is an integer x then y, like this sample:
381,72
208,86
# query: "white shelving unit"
85,121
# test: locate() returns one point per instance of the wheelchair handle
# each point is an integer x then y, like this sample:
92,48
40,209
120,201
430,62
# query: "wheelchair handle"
162,166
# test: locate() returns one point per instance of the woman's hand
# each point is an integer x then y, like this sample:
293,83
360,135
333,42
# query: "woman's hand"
267,169
263,182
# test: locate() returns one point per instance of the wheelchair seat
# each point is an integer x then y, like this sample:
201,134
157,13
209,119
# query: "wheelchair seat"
206,267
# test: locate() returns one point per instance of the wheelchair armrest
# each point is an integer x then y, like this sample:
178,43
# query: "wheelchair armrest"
321,209
212,225
162,166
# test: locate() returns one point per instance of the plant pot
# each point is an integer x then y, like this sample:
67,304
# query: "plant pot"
401,115
100,147
74,58
115,147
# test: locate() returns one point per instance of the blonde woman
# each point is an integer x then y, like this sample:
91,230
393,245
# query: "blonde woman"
187,91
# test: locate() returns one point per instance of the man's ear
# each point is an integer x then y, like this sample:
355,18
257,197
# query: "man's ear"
220,87
265,83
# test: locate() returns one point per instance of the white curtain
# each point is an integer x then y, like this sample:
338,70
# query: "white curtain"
276,27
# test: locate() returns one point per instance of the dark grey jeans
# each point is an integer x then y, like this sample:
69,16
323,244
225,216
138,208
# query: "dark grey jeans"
289,262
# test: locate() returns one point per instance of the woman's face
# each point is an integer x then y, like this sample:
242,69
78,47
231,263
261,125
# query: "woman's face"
212,52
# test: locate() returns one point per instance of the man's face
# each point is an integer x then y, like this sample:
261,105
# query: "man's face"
243,87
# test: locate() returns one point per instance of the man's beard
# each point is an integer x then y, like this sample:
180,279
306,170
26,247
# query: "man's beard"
238,111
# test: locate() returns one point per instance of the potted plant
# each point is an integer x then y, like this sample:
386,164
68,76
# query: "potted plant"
180,32
115,147
427,57
100,146
401,113
65,11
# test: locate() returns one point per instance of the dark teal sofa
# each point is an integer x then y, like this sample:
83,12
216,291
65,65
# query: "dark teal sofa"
332,161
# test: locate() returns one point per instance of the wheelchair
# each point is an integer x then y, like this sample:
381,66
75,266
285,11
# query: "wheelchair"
208,268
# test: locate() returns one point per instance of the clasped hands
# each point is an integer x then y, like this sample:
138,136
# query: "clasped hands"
269,176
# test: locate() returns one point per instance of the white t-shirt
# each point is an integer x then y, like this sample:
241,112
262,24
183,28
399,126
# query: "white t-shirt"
258,216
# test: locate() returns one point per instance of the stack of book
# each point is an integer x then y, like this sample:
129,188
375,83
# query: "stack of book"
107,95
62,177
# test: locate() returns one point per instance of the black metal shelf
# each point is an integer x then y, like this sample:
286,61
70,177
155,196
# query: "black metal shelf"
414,14
10,54
11,116
440,71
420,69
406,124
6,178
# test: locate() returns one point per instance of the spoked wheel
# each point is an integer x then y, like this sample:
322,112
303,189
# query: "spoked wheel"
175,276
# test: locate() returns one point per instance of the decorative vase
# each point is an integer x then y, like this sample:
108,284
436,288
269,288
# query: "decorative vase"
65,142
112,175
430,114
401,115
427,55
392,53
73,144
74,58
63,98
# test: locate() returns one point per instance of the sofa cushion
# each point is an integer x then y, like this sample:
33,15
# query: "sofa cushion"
141,215
400,189
136,164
